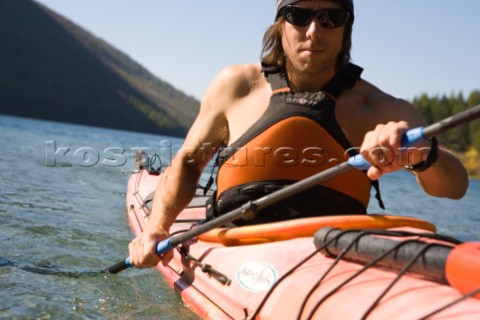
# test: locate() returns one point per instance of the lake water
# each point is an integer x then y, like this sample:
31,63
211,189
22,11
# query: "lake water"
62,218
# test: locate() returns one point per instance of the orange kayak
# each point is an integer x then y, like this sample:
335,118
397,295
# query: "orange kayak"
330,267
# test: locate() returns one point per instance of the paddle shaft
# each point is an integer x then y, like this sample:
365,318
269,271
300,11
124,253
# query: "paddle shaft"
356,162
451,122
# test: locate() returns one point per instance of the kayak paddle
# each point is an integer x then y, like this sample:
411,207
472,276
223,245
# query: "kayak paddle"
251,207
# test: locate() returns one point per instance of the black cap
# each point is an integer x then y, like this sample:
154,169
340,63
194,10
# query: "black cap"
347,4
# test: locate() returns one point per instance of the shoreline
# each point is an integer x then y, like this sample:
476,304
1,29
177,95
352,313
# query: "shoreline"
471,161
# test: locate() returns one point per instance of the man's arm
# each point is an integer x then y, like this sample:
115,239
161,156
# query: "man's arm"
447,177
178,183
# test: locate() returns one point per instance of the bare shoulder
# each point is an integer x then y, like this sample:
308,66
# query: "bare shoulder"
380,106
371,106
238,80
226,89
228,86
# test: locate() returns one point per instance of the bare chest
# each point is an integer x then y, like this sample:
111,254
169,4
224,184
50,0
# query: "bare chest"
353,120
245,111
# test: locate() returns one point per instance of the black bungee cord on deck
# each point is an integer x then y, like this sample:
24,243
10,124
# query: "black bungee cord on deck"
451,304
356,274
285,276
400,274
334,263
363,232
404,269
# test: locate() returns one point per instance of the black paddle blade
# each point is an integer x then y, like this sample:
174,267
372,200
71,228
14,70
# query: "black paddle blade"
48,268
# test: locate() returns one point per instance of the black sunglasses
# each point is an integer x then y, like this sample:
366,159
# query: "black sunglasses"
328,18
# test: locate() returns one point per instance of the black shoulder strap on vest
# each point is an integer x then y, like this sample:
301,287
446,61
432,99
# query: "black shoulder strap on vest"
215,165
378,196
269,69
275,76
344,79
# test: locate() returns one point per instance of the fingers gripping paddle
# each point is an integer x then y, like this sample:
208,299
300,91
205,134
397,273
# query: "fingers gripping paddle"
250,208
417,134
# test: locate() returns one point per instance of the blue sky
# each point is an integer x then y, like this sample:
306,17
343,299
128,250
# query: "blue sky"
407,47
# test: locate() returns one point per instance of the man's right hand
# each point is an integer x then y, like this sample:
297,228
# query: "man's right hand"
142,250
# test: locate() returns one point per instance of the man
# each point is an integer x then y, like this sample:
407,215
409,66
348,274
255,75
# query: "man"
299,112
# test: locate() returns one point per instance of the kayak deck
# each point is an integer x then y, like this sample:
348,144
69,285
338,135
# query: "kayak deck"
288,279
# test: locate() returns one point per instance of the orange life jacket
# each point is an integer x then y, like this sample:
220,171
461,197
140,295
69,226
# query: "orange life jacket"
296,137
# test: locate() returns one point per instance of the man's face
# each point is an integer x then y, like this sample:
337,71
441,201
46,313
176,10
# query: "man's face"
312,48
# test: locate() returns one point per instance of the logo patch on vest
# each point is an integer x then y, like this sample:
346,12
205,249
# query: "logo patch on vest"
306,99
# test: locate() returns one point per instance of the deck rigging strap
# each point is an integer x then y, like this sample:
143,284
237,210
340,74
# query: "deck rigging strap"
280,280
407,267
397,278
342,256
358,236
206,268
451,304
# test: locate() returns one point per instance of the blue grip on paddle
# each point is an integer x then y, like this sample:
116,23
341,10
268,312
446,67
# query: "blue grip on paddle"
359,162
412,136
163,246
409,137
160,248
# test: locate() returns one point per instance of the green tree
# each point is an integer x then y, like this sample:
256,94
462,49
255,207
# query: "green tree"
474,100
424,105
436,108
459,137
